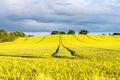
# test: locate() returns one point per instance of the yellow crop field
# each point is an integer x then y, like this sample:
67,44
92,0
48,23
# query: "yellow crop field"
61,57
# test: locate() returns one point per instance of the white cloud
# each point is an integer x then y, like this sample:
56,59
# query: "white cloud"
52,14
27,7
78,6
35,25
113,2
42,7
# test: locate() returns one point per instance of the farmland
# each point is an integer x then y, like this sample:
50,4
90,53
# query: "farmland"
61,57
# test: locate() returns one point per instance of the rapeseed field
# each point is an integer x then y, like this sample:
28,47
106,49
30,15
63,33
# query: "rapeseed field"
61,57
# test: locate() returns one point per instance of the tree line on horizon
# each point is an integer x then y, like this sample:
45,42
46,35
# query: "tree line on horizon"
83,31
6,36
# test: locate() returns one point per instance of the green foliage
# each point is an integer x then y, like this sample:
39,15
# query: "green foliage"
30,35
12,36
117,33
54,32
103,34
5,36
19,34
57,32
109,34
83,32
71,32
62,32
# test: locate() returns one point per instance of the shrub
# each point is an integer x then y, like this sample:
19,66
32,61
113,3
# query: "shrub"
62,32
5,36
117,33
71,32
30,35
57,32
83,31
54,32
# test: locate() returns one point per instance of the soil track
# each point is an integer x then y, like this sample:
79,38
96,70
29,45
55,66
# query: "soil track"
77,38
94,39
57,50
115,38
26,39
44,37
62,45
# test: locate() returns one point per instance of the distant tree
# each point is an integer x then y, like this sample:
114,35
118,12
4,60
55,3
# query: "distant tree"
103,34
9,38
3,35
57,32
116,33
22,34
62,32
30,35
12,36
54,33
19,34
109,34
71,32
85,32
16,34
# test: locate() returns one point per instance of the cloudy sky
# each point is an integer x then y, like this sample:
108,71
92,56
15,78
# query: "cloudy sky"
48,15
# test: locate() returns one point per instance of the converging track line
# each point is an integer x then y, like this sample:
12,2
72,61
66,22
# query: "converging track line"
93,38
44,37
61,44
77,38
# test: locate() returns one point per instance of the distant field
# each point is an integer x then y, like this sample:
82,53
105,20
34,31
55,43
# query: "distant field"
61,57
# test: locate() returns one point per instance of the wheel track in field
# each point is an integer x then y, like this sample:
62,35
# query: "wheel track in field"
88,37
57,50
26,56
43,38
107,49
71,51
110,36
61,44
77,38
115,38
21,56
93,38
26,39
101,36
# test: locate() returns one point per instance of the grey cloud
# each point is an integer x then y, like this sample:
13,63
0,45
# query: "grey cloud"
46,15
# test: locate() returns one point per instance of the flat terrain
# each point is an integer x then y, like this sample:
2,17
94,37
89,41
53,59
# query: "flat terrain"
61,57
